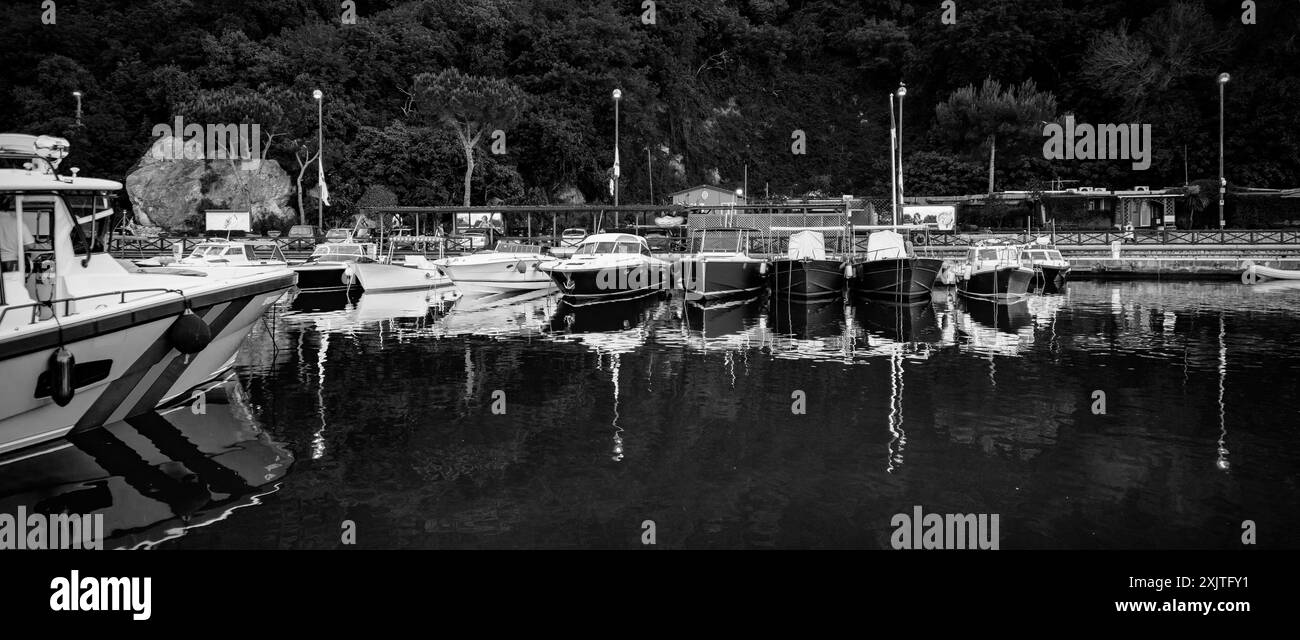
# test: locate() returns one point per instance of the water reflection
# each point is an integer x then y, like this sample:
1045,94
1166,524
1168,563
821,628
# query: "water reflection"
652,409
155,477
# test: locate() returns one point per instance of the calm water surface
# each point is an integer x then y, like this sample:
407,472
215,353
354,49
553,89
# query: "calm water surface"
436,422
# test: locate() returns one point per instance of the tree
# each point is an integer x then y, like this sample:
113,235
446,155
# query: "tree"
970,118
470,106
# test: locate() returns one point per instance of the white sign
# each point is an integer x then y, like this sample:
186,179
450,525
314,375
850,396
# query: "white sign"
942,217
224,220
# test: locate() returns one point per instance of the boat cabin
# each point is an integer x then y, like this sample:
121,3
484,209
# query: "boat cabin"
728,240
342,252
602,243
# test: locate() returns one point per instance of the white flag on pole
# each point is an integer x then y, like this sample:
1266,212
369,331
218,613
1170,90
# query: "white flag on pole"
320,177
616,165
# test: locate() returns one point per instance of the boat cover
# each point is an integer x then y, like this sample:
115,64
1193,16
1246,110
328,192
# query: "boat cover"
807,244
883,245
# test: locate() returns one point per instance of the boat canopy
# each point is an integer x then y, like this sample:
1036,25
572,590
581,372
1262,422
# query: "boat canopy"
886,244
807,245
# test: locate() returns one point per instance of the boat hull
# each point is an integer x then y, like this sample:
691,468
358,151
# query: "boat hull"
1001,284
895,278
807,279
604,284
503,276
721,279
376,276
126,363
1049,278
321,276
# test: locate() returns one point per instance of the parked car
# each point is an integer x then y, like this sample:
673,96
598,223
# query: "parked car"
306,231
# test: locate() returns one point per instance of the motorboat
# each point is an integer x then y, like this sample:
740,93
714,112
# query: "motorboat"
415,272
1050,268
327,266
222,254
608,266
1255,273
84,340
995,271
721,267
512,267
889,270
805,272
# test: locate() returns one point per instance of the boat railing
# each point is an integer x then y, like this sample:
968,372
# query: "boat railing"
51,305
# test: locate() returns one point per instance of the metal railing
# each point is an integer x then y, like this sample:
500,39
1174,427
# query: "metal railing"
49,305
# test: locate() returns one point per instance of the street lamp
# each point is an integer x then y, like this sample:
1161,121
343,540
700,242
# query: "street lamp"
77,95
1223,183
618,96
320,158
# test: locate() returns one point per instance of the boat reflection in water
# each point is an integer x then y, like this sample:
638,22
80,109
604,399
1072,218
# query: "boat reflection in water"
523,313
155,476
619,326
807,320
311,301
992,327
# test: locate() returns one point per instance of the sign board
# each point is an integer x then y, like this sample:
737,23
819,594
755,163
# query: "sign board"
228,220
480,221
941,217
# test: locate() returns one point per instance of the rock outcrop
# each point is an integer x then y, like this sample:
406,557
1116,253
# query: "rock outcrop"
171,189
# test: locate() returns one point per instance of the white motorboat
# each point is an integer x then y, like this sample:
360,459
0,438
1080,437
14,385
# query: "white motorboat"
512,267
608,266
328,263
416,272
1259,273
995,272
221,254
1050,268
84,341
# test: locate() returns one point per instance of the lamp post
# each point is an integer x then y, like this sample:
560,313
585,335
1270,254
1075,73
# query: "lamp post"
902,91
320,157
1223,183
618,96
77,95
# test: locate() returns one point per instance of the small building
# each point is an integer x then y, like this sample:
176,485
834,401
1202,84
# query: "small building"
705,196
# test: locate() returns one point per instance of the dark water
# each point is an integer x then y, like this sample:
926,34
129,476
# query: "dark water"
383,405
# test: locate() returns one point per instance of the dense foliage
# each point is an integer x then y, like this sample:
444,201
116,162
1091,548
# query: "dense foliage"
710,89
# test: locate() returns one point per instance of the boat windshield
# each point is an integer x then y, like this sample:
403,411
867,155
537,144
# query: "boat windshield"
206,251
1055,255
336,251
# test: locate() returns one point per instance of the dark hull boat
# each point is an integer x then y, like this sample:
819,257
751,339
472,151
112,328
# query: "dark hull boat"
322,277
712,279
720,268
895,278
1049,279
608,267
807,279
999,283
805,272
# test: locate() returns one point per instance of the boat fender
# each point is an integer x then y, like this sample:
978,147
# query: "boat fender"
848,270
521,266
348,276
189,334
61,366
762,269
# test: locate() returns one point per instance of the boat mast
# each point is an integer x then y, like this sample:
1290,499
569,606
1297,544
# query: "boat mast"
893,156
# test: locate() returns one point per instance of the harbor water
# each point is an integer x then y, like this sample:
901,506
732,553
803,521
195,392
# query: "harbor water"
1114,415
